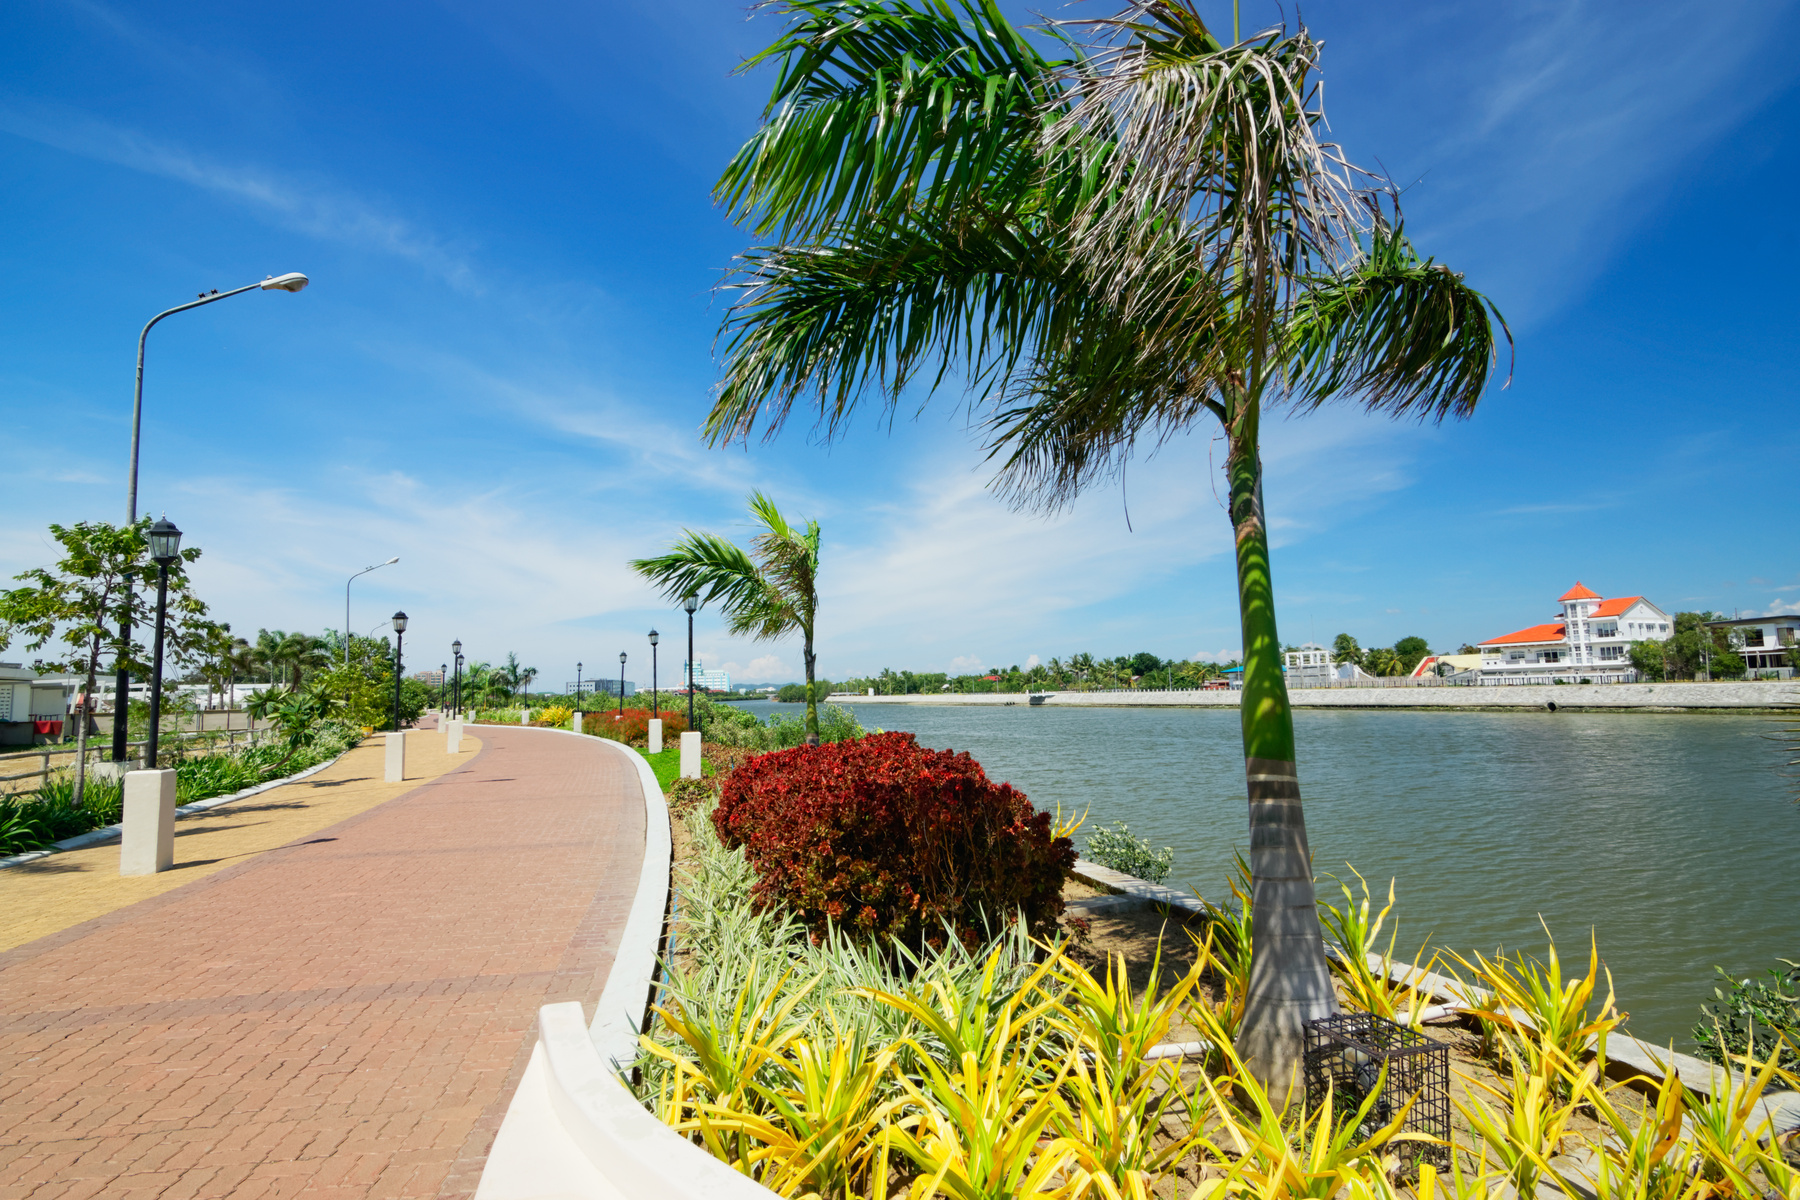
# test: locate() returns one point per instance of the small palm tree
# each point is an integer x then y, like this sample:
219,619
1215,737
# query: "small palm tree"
770,592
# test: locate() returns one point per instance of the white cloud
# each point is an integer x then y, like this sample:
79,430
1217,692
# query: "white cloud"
768,668
1222,654
309,205
1031,661
963,664
1781,608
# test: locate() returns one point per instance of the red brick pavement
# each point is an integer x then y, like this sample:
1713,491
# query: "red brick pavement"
333,1018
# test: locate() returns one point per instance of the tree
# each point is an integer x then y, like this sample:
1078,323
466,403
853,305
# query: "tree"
78,602
1110,250
1411,651
1648,657
1465,648
1383,662
1145,663
1345,650
768,593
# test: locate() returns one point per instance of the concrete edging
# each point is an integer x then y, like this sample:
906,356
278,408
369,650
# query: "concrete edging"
105,833
573,1129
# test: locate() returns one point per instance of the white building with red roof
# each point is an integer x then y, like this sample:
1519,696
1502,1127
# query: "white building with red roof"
1589,641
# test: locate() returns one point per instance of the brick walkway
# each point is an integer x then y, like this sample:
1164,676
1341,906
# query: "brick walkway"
345,1016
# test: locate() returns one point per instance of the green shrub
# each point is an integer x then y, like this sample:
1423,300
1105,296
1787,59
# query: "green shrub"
1749,1016
1118,849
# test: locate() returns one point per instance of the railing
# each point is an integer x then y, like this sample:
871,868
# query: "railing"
95,748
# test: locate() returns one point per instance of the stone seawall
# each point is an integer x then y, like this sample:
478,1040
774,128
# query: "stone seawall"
1665,697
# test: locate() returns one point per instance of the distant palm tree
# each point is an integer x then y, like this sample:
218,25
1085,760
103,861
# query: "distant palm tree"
770,592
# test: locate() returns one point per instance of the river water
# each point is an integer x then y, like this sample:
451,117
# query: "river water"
1672,837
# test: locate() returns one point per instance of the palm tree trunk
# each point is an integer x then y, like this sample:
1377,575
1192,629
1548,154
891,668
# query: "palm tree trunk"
1290,982
812,700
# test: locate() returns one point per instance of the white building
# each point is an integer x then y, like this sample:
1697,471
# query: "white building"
32,707
1311,666
705,680
1764,642
1590,640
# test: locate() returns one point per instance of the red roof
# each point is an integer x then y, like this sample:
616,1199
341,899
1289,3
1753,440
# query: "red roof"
1578,592
1613,608
1552,632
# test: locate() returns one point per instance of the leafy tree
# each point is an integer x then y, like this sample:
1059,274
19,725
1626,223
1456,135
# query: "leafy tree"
77,603
1465,648
296,714
1112,249
1345,650
1649,658
1411,651
1383,662
1145,663
770,592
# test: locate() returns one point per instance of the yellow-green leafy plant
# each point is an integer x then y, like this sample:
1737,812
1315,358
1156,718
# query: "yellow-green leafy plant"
1358,935
1543,1015
554,717
1643,1155
1117,1099
1524,1131
986,1093
1726,1128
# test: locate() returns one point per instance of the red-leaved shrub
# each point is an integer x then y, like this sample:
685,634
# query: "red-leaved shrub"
633,726
889,839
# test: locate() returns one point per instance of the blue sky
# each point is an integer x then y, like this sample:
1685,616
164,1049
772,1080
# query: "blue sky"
499,369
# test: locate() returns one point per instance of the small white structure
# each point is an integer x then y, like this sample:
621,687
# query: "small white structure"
396,758
147,845
1311,666
690,755
31,706
1590,640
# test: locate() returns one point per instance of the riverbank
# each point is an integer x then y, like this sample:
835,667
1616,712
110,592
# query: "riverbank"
1738,696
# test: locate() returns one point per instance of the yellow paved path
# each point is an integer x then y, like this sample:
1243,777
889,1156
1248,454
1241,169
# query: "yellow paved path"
51,894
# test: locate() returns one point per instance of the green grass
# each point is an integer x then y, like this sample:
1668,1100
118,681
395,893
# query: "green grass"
667,766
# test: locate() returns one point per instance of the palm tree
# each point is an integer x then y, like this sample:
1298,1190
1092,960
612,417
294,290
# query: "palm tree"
1111,249
768,593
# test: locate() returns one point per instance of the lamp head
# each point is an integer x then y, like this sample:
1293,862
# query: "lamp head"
390,562
654,637
692,604
621,658
165,541
456,647
399,622
578,666
293,281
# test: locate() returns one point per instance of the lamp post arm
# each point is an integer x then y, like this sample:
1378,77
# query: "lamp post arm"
137,404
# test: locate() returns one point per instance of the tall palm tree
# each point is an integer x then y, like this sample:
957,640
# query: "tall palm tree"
770,592
1111,249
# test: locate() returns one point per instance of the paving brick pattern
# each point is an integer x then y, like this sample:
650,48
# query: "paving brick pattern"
342,1017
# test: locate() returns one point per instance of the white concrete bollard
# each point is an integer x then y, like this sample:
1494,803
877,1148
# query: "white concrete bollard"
690,755
452,737
148,845
656,735
396,758
524,716
575,721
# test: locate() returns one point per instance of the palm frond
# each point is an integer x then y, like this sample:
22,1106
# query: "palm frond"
704,565
1400,335
880,108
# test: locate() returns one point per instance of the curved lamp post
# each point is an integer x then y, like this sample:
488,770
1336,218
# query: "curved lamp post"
654,638
690,604
293,281
621,685
390,562
165,548
399,641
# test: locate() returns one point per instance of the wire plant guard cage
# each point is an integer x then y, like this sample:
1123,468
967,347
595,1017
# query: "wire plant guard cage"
1345,1055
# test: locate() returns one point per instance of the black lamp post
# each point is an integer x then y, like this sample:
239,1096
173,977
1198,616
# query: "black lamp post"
654,638
165,548
621,684
443,685
578,683
690,604
457,659
399,640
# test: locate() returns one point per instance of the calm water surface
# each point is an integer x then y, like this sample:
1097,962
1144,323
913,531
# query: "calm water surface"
1672,837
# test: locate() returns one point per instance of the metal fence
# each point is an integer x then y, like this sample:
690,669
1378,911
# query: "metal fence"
178,741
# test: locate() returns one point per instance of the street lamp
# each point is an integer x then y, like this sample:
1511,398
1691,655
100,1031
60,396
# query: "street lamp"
293,281
690,604
390,562
399,640
577,683
165,548
654,638
457,658
621,685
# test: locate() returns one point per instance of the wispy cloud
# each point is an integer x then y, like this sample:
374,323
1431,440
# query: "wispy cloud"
291,197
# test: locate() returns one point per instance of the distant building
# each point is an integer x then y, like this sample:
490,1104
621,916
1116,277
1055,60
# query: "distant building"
31,706
705,680
1766,641
1591,639
429,678
600,687
1311,666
